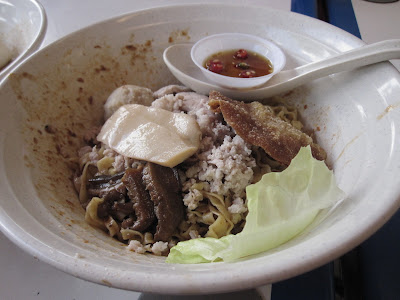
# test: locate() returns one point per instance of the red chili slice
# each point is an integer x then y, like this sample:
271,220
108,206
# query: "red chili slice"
241,54
215,65
247,74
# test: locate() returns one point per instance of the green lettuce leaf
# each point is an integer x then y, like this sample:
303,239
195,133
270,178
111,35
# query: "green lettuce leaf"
280,205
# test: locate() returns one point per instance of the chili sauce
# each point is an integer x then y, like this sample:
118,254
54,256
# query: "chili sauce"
238,63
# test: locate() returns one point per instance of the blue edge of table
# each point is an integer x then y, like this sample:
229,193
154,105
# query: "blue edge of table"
371,270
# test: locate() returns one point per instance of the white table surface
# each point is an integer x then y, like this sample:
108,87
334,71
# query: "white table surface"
378,22
25,277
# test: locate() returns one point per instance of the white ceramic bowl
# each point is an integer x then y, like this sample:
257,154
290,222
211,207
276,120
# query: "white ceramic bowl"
52,97
209,45
22,28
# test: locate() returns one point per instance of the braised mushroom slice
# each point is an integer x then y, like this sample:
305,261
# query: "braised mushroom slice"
257,124
164,187
108,187
106,208
102,185
142,204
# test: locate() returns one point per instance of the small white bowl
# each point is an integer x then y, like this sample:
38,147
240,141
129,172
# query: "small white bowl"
229,41
23,26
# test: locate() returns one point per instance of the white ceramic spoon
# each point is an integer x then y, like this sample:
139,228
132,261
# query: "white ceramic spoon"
177,58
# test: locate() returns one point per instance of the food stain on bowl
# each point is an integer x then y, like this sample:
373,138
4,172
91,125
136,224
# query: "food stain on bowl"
181,35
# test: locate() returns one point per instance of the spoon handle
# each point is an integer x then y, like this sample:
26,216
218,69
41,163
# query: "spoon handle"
365,55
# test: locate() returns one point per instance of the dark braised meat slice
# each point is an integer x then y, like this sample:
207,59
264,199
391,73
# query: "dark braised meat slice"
107,208
102,185
120,210
110,188
142,204
257,125
164,187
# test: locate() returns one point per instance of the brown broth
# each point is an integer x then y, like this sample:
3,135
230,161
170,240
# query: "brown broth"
238,63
